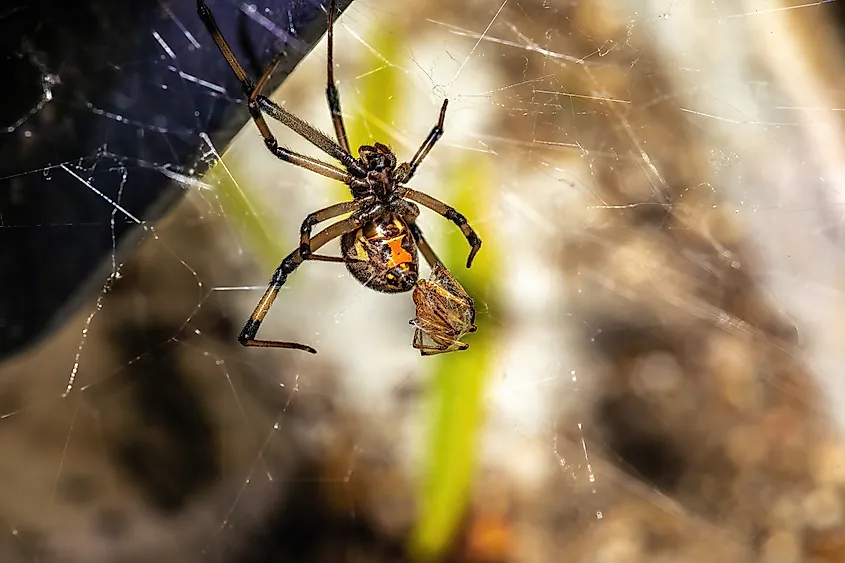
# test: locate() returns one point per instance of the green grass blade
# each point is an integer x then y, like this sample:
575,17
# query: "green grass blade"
456,394
377,98
241,208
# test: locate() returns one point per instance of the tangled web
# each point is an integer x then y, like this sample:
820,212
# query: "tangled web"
657,188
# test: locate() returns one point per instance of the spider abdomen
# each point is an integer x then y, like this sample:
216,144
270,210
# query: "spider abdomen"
382,254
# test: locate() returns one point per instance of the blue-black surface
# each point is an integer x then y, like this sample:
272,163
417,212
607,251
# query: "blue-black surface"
116,95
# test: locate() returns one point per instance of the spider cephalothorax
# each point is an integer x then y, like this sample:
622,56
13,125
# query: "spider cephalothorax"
380,180
377,158
380,238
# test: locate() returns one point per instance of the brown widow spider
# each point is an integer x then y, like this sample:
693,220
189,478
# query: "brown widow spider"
379,239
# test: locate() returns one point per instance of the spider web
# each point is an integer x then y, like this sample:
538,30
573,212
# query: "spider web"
657,185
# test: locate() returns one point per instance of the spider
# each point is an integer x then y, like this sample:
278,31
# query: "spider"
445,313
380,238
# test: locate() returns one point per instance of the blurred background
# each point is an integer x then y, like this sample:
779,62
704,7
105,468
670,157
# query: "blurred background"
656,372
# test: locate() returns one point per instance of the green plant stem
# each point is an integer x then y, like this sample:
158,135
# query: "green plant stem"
456,394
240,209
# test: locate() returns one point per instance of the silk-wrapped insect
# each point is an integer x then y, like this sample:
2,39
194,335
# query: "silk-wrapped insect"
445,313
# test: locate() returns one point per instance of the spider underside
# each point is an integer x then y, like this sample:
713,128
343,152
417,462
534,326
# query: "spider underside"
380,238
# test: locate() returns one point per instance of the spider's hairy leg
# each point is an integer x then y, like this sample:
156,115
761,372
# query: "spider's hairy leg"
208,20
433,136
308,132
293,260
449,213
322,258
425,248
318,217
258,103
332,94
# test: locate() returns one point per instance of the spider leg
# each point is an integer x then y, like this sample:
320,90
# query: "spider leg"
433,136
318,217
314,136
257,103
324,258
425,248
337,259
449,213
430,344
287,267
332,94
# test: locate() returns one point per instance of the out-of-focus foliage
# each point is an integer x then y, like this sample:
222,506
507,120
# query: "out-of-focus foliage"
458,379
